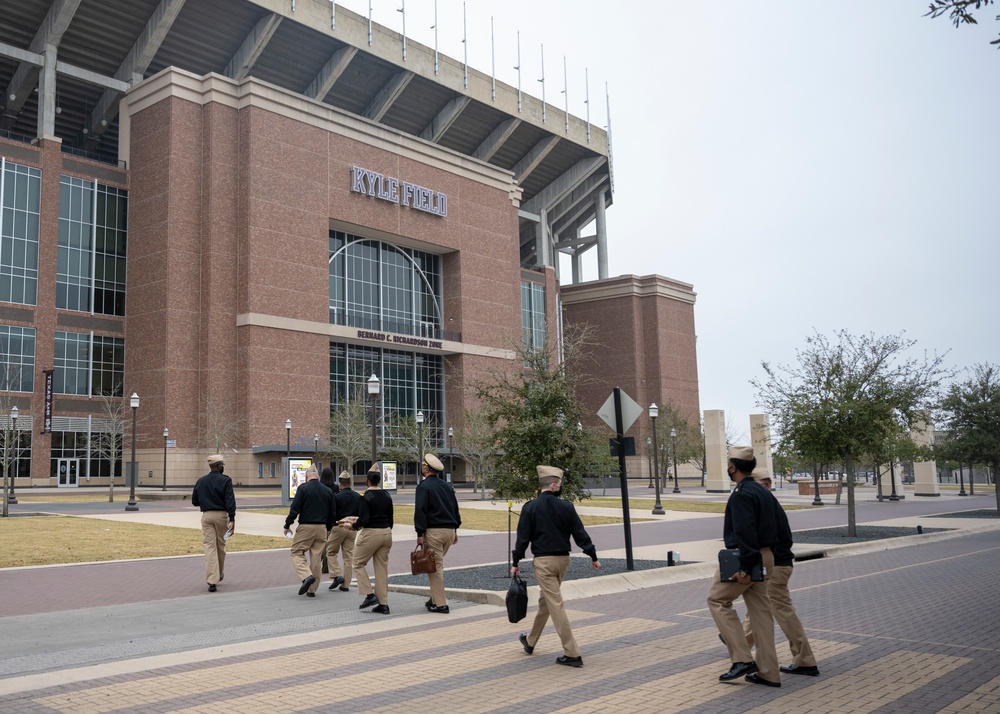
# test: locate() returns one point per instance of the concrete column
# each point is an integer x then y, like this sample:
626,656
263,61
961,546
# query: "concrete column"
542,257
716,478
924,472
602,238
760,440
47,95
890,474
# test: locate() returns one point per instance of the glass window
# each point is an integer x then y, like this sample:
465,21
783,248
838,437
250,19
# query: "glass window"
17,353
19,229
88,366
380,286
71,364
533,314
411,382
93,237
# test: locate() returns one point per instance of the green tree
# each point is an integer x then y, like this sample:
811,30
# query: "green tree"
534,417
847,399
971,416
959,11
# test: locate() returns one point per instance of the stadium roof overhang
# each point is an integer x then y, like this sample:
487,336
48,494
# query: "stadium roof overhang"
80,56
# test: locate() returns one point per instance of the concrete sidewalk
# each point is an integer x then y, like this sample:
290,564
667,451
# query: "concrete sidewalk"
882,623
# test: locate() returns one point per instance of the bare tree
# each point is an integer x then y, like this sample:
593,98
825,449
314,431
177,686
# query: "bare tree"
109,436
10,375
349,431
222,428
474,442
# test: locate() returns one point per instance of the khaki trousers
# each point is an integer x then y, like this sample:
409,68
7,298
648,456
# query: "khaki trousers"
549,572
341,538
786,617
439,540
214,525
309,538
373,544
720,605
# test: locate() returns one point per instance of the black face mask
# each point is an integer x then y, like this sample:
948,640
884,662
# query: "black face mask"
732,474
557,492
222,469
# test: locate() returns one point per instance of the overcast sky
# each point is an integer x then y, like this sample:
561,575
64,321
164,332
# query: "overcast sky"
805,166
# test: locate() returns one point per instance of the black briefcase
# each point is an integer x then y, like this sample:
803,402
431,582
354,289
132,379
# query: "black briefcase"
729,565
517,600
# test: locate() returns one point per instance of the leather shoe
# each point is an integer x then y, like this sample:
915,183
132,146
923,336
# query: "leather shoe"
211,588
443,609
370,600
528,649
570,661
738,669
306,584
337,582
757,679
310,594
381,609
798,669
430,603
343,588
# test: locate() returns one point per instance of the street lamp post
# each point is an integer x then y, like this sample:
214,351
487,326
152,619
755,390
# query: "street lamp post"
817,501
288,449
132,505
673,452
420,442
166,433
961,481
12,497
649,460
374,387
654,411
451,451
316,449
892,475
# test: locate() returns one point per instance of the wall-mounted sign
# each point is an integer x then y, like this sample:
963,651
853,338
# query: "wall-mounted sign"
404,193
399,339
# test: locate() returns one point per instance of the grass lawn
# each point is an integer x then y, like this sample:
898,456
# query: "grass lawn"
474,519
65,539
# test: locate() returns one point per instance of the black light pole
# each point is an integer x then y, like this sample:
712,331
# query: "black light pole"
961,481
315,448
649,460
12,498
420,442
451,451
132,505
166,433
288,449
817,501
892,477
374,387
653,413
972,473
673,450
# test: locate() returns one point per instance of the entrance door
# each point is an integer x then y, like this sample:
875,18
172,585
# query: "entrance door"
68,471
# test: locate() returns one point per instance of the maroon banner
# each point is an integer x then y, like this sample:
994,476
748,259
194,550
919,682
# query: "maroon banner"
47,422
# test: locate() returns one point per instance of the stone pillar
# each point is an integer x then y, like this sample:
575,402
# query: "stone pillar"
888,474
602,239
716,478
760,440
924,472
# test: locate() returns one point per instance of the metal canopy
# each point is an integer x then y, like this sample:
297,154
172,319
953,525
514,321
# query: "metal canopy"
101,44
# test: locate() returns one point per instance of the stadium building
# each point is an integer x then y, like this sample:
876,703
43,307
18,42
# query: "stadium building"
240,210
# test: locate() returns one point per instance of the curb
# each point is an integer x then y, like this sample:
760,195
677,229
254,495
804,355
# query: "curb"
667,575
